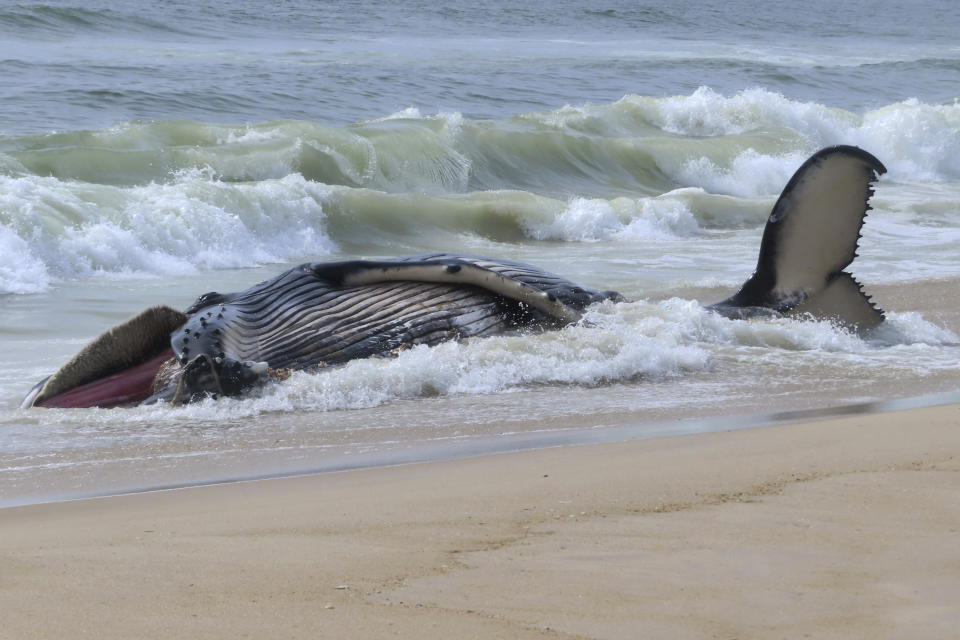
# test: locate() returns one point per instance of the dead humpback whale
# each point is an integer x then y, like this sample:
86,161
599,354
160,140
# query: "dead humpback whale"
325,313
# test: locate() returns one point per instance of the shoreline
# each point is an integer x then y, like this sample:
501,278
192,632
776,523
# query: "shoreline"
835,527
531,441
64,460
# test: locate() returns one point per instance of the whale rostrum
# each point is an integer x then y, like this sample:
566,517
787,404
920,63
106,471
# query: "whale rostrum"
321,314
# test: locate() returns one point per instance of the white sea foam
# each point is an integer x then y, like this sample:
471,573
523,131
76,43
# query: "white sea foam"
915,140
20,271
593,220
251,195
708,113
910,328
750,174
615,343
248,135
402,114
55,229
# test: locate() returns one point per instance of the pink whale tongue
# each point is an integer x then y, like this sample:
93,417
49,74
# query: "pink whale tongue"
127,387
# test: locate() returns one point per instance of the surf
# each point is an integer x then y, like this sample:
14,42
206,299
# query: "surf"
136,199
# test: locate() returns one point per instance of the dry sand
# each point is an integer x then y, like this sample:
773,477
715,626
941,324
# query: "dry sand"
841,528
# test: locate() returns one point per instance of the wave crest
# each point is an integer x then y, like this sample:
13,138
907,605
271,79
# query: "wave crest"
145,197
52,229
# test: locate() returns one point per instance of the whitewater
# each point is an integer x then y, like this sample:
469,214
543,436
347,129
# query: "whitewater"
149,154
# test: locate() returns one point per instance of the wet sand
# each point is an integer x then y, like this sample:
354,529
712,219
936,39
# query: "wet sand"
836,528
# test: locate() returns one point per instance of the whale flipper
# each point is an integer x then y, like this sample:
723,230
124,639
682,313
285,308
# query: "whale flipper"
811,236
551,295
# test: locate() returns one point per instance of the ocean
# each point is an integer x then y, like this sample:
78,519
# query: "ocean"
151,152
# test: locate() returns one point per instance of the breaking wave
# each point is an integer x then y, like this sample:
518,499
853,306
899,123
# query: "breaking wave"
175,197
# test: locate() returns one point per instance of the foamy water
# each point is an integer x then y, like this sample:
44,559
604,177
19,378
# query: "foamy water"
625,363
244,196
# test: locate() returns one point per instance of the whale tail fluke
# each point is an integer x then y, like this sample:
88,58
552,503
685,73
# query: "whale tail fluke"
811,236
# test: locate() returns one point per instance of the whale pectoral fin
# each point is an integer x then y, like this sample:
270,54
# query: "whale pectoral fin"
448,270
810,237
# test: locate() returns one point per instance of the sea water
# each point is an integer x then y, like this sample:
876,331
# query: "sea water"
150,152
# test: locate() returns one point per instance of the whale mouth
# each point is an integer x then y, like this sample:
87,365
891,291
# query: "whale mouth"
119,368
128,387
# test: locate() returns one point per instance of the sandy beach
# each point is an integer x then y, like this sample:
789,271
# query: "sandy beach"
837,528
